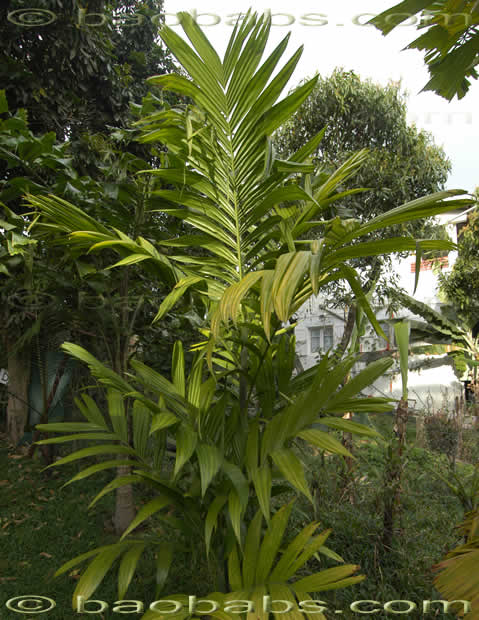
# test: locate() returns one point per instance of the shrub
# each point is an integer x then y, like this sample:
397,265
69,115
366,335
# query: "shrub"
442,433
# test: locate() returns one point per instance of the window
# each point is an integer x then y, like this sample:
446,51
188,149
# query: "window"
321,338
328,337
315,339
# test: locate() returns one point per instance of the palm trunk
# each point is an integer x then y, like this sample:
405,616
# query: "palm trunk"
347,439
18,383
460,426
347,482
347,333
124,502
124,506
393,476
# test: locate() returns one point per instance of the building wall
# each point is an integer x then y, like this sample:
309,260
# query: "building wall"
434,388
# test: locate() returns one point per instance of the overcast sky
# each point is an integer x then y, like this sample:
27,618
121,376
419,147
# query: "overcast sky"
335,40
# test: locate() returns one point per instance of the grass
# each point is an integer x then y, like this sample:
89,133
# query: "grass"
425,532
42,526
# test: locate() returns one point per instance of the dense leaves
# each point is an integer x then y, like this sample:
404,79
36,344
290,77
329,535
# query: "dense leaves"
402,162
450,40
79,73
462,285
217,442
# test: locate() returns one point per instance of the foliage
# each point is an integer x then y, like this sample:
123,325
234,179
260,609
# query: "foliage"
40,165
402,163
223,433
33,163
465,487
444,327
442,434
453,325
16,248
461,285
451,40
49,290
428,513
73,78
33,502
458,576
470,446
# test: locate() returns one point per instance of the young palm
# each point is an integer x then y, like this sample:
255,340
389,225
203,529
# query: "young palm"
235,422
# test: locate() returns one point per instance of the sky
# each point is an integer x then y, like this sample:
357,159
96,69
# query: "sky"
333,36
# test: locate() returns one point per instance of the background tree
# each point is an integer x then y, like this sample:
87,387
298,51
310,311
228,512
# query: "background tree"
451,40
68,80
461,285
72,77
74,82
48,291
403,163
451,45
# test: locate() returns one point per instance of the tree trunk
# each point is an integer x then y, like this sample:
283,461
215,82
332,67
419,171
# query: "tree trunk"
347,439
420,431
348,472
460,425
18,383
475,391
348,330
393,475
125,507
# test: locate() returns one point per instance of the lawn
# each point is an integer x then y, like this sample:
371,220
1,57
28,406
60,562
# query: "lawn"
43,525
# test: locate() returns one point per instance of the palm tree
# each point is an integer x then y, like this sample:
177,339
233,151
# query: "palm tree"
235,425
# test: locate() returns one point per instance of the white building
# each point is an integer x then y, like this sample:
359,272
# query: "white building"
319,329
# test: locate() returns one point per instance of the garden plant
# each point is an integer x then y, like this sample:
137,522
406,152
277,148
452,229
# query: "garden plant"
219,444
